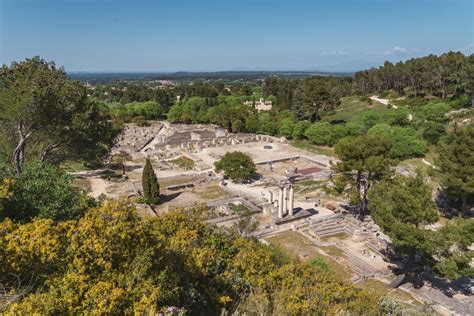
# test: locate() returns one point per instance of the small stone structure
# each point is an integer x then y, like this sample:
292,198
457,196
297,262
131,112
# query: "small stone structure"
260,105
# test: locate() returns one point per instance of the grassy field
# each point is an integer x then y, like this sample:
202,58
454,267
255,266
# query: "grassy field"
353,110
212,193
336,237
184,163
320,150
176,181
333,251
309,185
382,289
297,245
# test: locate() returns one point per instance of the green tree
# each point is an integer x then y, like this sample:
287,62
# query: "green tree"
151,187
300,129
320,133
236,165
364,160
433,131
44,191
50,114
402,206
286,127
403,199
313,97
456,160
452,249
371,118
405,141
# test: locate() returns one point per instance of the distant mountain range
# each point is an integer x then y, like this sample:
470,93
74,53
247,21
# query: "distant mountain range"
340,69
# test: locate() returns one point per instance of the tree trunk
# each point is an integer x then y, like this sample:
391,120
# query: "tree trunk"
19,152
463,204
47,150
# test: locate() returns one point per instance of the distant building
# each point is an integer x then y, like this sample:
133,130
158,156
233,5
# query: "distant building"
260,105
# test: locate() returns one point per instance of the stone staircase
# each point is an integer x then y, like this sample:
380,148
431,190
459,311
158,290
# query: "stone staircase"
330,225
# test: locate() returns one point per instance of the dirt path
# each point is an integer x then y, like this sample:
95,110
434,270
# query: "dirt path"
98,187
383,101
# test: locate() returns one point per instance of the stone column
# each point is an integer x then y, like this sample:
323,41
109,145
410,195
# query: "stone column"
270,196
292,201
280,203
284,201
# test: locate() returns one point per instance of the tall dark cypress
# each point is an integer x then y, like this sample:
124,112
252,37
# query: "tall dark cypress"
151,187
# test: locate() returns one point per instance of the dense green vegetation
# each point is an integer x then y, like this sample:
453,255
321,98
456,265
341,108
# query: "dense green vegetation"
46,116
444,76
41,190
237,166
112,261
402,207
456,160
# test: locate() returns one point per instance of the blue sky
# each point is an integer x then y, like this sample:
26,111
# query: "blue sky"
200,35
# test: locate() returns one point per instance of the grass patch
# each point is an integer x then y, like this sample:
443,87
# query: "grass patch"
212,193
238,208
176,181
299,246
74,166
333,251
352,109
309,184
321,263
382,289
111,174
83,184
338,236
184,163
320,150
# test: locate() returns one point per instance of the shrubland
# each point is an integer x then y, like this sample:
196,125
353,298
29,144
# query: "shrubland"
112,261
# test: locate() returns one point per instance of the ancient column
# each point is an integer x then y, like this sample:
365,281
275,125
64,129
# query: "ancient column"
285,200
291,206
270,194
280,203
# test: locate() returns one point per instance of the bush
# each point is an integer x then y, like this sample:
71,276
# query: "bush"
300,128
436,112
321,133
371,118
405,141
114,262
398,117
45,191
287,127
365,98
433,131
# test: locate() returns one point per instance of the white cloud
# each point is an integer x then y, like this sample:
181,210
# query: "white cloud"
396,50
334,53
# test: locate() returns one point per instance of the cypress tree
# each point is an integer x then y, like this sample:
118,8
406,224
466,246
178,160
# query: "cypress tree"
151,187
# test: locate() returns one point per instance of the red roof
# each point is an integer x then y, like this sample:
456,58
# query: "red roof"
308,171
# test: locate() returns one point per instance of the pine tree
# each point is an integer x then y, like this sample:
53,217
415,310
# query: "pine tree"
151,187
